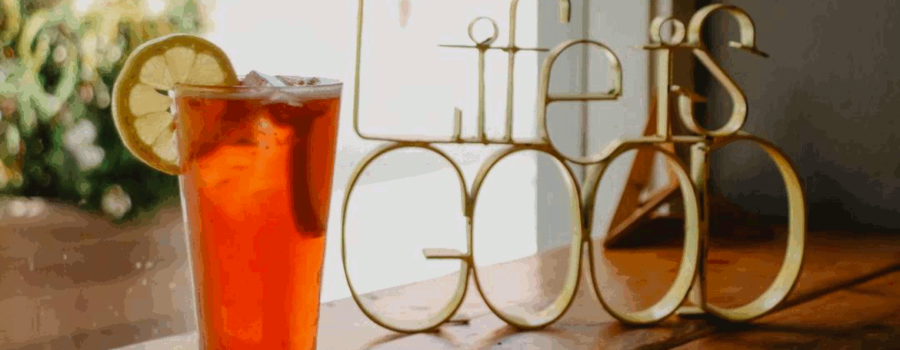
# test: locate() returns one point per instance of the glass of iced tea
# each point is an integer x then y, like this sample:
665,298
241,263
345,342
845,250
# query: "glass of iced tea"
257,164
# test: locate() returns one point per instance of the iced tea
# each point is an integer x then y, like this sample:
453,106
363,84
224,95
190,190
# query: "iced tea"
256,185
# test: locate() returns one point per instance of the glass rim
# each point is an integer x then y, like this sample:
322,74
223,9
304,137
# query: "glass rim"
324,83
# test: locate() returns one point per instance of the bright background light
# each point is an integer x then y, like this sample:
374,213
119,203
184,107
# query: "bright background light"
156,7
82,6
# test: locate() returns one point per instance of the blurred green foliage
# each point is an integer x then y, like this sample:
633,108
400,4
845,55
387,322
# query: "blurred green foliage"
58,64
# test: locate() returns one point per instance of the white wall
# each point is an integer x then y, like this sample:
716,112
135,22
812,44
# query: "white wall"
565,121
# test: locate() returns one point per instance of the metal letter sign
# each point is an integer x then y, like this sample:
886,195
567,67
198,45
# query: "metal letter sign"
691,276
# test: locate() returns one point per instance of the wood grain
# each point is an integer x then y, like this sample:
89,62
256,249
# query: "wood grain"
848,297
861,316
740,270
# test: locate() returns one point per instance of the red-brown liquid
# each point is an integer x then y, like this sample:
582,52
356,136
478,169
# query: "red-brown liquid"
256,187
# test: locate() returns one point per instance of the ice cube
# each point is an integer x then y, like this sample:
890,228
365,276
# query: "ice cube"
297,81
255,78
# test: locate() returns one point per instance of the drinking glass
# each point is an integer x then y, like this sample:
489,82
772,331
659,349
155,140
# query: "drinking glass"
256,184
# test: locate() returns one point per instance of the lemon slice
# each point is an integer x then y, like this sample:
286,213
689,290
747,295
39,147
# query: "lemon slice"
141,104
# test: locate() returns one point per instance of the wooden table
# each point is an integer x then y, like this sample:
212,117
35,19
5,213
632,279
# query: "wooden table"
848,297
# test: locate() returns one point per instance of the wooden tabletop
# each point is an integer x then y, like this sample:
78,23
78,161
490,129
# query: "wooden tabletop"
848,297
